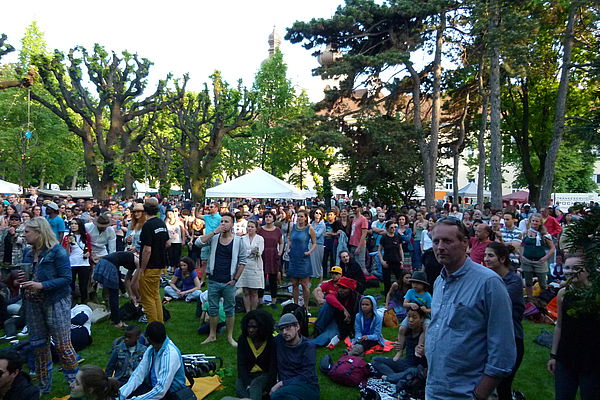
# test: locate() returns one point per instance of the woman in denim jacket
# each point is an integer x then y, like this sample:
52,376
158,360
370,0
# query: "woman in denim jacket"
47,302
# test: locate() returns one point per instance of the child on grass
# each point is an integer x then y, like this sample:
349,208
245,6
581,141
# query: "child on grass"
367,327
395,297
126,355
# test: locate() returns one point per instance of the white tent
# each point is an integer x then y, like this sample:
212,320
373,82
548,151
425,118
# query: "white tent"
471,191
7,187
257,184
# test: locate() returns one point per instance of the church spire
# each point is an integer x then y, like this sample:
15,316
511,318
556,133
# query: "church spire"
274,42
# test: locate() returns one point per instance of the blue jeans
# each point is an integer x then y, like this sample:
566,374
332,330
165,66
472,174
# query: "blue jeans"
416,260
216,291
297,391
326,325
390,368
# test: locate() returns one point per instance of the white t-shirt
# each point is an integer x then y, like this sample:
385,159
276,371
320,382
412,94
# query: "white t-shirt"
88,311
426,240
77,252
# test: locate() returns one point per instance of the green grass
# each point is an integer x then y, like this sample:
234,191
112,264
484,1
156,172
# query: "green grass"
532,379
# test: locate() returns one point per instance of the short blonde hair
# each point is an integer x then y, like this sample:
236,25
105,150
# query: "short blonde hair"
46,237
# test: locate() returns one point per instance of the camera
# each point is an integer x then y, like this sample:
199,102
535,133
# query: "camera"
197,365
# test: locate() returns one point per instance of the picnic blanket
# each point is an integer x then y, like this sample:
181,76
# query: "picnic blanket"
388,346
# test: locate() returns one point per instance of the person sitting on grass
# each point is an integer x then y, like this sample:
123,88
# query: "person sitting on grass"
395,297
126,356
328,288
256,358
336,317
92,383
14,383
351,269
367,327
161,370
184,284
408,340
296,361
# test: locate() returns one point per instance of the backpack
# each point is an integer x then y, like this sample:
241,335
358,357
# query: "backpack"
372,281
350,371
129,312
301,315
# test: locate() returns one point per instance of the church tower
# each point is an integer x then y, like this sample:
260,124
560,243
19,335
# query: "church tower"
274,42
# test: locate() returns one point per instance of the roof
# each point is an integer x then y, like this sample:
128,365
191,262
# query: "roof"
257,184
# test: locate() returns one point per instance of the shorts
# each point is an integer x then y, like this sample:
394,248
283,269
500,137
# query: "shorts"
216,291
205,253
534,266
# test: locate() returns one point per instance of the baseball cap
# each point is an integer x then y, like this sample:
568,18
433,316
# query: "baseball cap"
336,270
287,319
52,205
347,282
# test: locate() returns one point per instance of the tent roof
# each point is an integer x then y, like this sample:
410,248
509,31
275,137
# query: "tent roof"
77,194
9,188
521,196
471,191
257,184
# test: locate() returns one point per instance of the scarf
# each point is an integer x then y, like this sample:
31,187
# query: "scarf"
538,237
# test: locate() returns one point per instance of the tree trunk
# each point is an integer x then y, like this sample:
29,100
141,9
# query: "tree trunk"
128,182
481,138
435,112
496,140
457,148
559,116
74,180
99,187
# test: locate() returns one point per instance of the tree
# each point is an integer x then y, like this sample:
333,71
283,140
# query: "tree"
103,120
378,38
204,120
561,108
495,110
6,48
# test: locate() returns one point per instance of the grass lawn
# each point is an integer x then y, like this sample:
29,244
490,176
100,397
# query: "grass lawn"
532,379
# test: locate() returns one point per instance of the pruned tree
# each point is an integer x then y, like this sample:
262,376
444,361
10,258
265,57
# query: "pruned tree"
204,120
100,109
27,81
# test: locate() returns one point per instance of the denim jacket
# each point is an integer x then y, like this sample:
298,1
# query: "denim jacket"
122,362
53,270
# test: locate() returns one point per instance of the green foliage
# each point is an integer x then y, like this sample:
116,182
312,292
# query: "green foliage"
383,156
32,44
50,142
584,234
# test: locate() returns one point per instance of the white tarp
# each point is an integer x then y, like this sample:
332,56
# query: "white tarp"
471,191
9,188
566,200
257,184
76,194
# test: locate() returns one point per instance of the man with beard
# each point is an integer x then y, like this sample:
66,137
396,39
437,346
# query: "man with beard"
296,361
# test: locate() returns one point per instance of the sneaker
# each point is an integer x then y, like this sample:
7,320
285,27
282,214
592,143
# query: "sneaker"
6,337
24,332
143,319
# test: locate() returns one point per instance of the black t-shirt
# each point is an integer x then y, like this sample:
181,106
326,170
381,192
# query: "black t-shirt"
123,259
391,247
222,268
155,235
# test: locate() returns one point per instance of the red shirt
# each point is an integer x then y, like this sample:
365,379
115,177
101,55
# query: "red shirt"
329,287
552,226
478,249
358,225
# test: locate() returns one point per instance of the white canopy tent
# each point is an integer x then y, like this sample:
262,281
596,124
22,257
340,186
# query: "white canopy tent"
257,184
9,188
471,191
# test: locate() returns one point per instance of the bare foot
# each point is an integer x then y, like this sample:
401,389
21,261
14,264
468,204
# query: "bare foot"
209,340
232,342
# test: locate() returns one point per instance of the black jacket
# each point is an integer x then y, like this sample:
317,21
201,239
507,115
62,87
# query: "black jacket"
22,388
353,271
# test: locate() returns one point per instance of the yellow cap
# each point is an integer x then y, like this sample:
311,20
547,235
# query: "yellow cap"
336,270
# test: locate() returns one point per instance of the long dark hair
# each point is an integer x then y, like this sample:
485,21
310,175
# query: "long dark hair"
502,251
191,265
264,322
96,383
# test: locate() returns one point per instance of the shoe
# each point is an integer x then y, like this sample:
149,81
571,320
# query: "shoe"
24,332
80,360
6,337
143,319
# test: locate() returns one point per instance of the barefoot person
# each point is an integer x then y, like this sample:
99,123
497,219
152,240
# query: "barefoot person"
226,263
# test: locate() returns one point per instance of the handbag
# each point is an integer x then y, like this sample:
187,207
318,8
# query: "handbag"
185,393
390,319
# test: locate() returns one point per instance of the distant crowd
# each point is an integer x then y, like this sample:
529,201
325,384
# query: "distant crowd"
454,279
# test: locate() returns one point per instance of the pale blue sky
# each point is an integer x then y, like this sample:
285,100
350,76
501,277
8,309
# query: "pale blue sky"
178,36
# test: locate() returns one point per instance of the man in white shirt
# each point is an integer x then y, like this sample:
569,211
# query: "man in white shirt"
102,236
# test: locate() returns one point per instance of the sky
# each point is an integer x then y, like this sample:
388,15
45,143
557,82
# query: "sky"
179,36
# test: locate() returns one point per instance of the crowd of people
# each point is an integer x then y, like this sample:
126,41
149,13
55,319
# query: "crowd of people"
453,276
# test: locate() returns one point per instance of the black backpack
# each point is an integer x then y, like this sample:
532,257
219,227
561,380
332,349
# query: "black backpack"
301,315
